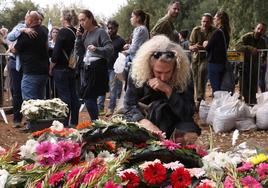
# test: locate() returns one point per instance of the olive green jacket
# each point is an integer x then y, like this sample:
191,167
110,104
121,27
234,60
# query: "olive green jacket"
198,36
165,26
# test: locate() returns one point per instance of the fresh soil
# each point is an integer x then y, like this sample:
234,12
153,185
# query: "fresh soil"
222,141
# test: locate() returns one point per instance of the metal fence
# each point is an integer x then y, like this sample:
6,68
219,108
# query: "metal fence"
239,65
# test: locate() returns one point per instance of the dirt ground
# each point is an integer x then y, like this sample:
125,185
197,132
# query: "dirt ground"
10,135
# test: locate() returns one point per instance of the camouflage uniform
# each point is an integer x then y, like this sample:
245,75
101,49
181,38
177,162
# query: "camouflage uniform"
199,60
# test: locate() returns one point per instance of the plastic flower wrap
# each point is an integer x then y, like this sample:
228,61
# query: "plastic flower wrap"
44,109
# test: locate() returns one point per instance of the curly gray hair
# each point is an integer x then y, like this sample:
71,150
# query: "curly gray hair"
142,69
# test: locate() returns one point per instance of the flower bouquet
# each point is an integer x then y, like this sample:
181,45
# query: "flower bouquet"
41,113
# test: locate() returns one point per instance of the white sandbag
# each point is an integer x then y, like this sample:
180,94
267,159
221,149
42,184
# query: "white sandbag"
262,117
120,63
262,98
225,117
220,98
245,124
244,111
203,111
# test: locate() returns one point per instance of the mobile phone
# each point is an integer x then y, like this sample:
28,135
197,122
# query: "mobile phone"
81,29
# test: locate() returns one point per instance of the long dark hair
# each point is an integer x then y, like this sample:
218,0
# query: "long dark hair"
144,17
223,16
89,15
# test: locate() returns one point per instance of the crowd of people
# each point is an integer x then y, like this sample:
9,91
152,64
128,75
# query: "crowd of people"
164,85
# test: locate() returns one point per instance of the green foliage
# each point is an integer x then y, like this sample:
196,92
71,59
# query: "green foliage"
244,14
10,16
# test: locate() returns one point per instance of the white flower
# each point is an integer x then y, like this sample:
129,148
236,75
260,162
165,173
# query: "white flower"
89,156
235,137
147,163
173,165
57,126
3,178
106,155
2,150
44,109
197,172
130,170
216,160
28,150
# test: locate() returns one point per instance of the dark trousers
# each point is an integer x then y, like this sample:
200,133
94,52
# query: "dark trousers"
92,107
15,80
215,75
65,83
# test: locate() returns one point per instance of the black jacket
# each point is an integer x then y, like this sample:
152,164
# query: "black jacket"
217,47
166,113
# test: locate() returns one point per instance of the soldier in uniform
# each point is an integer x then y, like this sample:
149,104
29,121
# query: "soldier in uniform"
199,61
250,43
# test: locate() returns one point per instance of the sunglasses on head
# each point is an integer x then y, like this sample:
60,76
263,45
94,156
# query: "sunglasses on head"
167,54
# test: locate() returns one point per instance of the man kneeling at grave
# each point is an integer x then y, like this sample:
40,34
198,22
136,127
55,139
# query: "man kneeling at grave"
160,91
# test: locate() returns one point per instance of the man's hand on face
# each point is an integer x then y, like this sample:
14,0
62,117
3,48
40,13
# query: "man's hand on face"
158,85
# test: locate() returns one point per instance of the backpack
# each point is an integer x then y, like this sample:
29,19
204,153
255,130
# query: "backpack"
72,59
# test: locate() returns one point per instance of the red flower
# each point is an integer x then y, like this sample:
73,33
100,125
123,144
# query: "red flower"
155,174
203,185
180,178
132,178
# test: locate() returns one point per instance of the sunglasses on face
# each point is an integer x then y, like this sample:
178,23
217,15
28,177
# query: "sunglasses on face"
167,54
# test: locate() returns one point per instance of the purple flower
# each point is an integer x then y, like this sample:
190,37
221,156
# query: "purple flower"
262,170
245,167
250,182
228,182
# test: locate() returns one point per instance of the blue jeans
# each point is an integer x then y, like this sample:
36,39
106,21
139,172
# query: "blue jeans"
215,75
92,107
33,86
15,79
65,83
115,87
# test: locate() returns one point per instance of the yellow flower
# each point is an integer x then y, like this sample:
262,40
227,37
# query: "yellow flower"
258,159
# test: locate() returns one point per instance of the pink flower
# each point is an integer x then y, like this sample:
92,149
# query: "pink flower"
73,173
70,150
47,160
250,182
228,182
76,149
111,184
262,170
38,184
44,148
170,145
89,175
190,146
245,167
201,152
56,178
67,150
58,154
